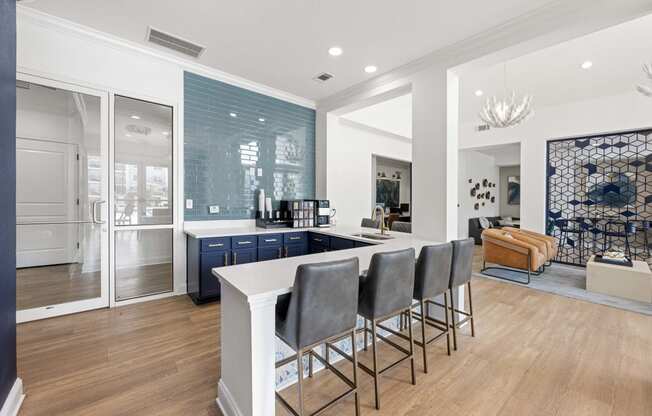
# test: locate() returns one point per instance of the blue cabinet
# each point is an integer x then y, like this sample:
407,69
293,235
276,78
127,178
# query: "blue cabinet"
245,255
270,253
337,243
206,253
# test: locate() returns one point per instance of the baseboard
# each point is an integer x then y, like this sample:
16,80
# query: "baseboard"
225,401
14,400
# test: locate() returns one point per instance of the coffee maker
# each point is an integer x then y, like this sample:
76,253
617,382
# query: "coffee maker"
322,213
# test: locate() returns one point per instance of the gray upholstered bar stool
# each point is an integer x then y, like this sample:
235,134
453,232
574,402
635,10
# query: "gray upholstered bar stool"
402,227
431,279
369,223
461,272
322,307
386,292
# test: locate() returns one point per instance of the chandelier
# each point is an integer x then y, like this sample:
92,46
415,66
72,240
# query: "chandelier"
507,111
644,89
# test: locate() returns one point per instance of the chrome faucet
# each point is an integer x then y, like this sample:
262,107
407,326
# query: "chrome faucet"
374,216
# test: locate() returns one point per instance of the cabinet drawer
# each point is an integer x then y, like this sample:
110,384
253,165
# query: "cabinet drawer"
341,243
216,244
243,241
294,238
270,240
320,240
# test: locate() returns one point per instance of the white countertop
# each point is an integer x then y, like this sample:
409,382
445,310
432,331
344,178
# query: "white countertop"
275,277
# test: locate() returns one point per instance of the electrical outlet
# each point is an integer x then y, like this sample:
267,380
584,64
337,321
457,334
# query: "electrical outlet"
213,209
188,203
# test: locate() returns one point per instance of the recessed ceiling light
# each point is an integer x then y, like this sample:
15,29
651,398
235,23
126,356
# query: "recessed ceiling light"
478,93
587,64
135,117
128,135
370,69
233,115
165,133
262,120
335,51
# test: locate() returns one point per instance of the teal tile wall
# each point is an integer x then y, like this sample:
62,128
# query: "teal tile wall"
237,141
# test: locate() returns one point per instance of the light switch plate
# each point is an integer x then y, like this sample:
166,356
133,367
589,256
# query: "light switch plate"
188,203
213,209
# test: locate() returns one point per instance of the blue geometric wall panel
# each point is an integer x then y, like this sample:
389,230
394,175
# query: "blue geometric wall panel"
600,186
236,142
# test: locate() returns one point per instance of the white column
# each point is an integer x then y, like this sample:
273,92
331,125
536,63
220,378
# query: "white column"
248,382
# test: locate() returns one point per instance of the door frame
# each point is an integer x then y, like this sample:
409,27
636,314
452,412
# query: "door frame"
105,292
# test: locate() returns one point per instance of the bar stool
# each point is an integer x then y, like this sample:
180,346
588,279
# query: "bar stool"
322,307
461,271
431,279
385,292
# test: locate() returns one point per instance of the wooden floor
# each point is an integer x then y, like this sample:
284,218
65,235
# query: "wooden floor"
62,283
534,354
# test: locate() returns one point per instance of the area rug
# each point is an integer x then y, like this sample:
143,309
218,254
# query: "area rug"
569,281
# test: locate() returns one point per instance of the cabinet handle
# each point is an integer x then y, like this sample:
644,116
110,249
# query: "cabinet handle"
216,245
317,240
244,242
286,251
270,240
295,238
280,254
235,258
226,258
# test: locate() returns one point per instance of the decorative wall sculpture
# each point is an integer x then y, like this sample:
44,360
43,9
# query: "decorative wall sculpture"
597,184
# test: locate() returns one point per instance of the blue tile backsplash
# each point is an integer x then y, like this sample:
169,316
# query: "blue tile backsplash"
237,141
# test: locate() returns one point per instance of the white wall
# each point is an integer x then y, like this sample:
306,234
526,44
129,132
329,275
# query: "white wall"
629,111
350,175
476,166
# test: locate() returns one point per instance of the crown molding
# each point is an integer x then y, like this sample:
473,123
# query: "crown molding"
26,14
555,22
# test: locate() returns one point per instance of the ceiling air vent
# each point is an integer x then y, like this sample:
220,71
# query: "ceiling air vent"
323,77
483,127
174,42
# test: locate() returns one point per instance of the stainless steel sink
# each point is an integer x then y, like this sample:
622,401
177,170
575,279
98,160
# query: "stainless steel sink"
373,236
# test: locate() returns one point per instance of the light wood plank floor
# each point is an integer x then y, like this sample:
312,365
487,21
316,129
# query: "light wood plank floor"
534,354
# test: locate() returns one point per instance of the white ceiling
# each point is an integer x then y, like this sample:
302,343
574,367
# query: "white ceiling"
284,43
553,76
393,115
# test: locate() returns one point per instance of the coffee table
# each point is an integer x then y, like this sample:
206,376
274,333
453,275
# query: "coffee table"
626,282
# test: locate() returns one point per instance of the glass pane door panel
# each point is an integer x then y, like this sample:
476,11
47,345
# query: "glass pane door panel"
143,162
143,262
59,203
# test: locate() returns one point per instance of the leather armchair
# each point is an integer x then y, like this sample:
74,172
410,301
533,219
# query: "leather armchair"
513,250
552,246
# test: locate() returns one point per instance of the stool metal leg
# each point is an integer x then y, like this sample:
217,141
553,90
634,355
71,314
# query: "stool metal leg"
423,335
454,325
448,334
355,371
300,380
366,340
375,360
310,363
471,311
409,324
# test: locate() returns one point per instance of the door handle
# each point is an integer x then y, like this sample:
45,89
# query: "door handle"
235,258
94,205
226,258
286,251
279,253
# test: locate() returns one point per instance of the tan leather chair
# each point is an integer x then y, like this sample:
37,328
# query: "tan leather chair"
551,242
513,250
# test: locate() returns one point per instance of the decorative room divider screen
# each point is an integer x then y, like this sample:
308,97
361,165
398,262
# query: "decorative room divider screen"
598,191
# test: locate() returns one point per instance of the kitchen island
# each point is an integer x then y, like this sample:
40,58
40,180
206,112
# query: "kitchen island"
248,299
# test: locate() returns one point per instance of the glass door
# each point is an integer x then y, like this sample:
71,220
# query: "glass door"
142,199
61,194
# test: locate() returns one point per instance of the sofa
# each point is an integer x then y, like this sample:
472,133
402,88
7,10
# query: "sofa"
515,250
475,230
